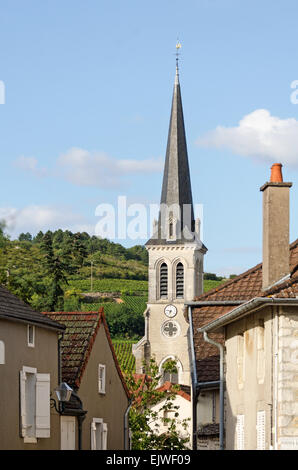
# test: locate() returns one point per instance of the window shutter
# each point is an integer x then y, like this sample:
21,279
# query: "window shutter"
2,352
23,403
240,432
180,281
164,280
104,436
42,423
93,436
261,442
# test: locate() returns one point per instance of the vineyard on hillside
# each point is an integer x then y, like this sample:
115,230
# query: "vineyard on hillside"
125,286
126,359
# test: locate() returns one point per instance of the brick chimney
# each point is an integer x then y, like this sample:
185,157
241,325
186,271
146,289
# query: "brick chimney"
276,253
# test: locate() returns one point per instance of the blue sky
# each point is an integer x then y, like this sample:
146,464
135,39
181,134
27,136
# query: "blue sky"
88,88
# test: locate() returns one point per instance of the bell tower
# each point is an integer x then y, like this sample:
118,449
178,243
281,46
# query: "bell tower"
175,257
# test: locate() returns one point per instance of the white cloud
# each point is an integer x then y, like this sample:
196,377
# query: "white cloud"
34,218
84,168
29,164
258,135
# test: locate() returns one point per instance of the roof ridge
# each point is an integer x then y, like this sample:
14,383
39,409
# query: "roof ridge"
279,287
88,350
113,352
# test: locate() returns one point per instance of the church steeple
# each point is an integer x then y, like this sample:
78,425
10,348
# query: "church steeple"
176,186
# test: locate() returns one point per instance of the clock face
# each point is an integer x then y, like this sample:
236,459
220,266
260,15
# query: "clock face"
170,311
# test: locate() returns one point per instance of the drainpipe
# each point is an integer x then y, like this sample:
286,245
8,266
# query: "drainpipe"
276,321
221,388
126,427
193,382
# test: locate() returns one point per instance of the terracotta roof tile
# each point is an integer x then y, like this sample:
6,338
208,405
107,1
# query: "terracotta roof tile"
169,386
78,339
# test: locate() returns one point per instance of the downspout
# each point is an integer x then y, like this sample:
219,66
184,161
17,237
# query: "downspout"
276,321
193,382
126,426
221,388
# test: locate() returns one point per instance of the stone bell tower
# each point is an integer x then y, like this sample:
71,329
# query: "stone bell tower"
175,258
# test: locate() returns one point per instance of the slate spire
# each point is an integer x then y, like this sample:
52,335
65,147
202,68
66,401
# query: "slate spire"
176,186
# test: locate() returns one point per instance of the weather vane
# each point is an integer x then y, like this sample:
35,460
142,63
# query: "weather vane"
178,46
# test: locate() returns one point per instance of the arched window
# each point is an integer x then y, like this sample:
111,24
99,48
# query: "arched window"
179,281
168,376
163,291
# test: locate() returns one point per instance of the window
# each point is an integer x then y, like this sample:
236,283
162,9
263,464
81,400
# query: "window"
163,281
169,376
170,329
99,434
34,404
179,281
101,378
2,352
240,432
31,336
261,443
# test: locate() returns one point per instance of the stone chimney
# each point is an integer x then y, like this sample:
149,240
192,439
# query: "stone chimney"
276,253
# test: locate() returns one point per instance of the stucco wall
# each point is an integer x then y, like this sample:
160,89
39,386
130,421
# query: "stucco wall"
110,406
184,413
43,357
288,379
253,393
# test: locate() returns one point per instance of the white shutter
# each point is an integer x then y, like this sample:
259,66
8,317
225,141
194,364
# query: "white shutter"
93,436
42,422
2,352
23,402
261,442
240,432
104,436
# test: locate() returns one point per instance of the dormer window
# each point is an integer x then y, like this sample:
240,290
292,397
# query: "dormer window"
163,281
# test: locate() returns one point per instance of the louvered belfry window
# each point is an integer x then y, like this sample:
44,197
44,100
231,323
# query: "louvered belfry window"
180,281
164,280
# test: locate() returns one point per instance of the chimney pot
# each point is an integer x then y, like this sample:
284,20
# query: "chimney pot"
276,173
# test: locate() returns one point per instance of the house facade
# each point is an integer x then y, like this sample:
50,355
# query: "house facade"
28,376
90,367
255,317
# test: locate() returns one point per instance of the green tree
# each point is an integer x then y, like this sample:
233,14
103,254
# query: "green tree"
25,237
56,270
145,421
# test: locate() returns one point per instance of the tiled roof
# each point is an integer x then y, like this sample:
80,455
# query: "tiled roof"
78,339
248,284
169,386
12,308
244,287
211,429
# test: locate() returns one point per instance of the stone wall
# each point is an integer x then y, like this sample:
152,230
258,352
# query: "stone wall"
288,379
